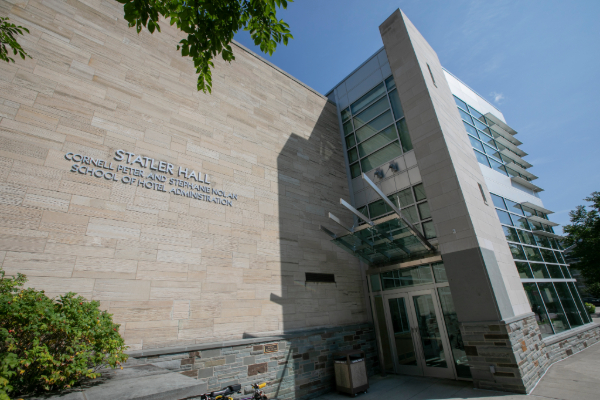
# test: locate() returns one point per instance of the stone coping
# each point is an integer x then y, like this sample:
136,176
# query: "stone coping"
238,342
244,48
503,321
567,334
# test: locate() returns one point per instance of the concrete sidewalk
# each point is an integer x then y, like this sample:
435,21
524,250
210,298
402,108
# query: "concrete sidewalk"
575,378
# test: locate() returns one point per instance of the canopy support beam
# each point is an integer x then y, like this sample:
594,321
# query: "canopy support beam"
410,226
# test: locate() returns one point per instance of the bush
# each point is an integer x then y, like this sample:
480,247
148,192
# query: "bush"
593,289
591,309
52,344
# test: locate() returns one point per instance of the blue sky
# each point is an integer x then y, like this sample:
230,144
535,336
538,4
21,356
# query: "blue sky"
538,61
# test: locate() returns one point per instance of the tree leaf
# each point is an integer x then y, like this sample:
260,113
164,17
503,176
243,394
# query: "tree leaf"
210,26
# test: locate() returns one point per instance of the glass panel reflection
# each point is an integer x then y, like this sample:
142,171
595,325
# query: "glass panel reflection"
374,126
524,270
540,271
377,141
364,101
405,348
429,329
586,317
429,229
510,234
555,310
454,336
555,271
350,141
420,275
533,253
471,130
396,106
460,103
346,114
390,83
377,108
566,299
404,135
388,362
439,271
375,283
537,306
348,128
381,156
420,192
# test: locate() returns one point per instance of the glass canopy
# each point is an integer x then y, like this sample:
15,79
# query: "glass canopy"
388,241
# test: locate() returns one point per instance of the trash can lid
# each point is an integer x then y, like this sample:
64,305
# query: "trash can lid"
345,353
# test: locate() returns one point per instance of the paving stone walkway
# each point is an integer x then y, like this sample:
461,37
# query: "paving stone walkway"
575,378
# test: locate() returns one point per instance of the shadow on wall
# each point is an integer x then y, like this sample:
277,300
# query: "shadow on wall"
331,316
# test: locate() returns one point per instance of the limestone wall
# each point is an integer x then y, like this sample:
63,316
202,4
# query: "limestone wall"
172,263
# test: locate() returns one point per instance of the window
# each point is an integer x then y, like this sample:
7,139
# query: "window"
498,202
390,83
482,159
539,309
414,208
504,217
367,99
510,234
431,73
524,270
482,193
375,128
482,139
371,112
539,260
396,106
404,136
419,192
382,156
377,141
461,103
414,276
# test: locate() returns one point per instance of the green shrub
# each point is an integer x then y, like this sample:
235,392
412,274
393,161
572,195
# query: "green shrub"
591,309
593,289
52,344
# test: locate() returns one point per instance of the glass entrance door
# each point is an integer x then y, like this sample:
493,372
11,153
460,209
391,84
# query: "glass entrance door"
419,342
402,330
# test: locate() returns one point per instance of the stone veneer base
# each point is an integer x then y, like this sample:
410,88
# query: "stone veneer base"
518,353
302,366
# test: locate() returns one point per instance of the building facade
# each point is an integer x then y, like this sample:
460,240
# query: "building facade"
205,223
494,301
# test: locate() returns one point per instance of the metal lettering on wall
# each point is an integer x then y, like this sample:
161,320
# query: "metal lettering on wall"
194,184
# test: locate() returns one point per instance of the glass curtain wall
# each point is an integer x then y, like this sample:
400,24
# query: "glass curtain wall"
412,201
488,151
375,129
540,261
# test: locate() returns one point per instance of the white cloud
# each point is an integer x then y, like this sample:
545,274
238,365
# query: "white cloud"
498,97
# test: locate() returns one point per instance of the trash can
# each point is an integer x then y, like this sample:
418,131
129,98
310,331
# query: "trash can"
350,372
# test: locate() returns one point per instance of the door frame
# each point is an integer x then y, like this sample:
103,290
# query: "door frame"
402,369
421,369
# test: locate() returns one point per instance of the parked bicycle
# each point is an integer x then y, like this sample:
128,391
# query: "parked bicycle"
227,393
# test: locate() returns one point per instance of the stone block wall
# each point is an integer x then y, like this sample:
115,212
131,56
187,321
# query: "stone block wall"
517,352
175,263
301,367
